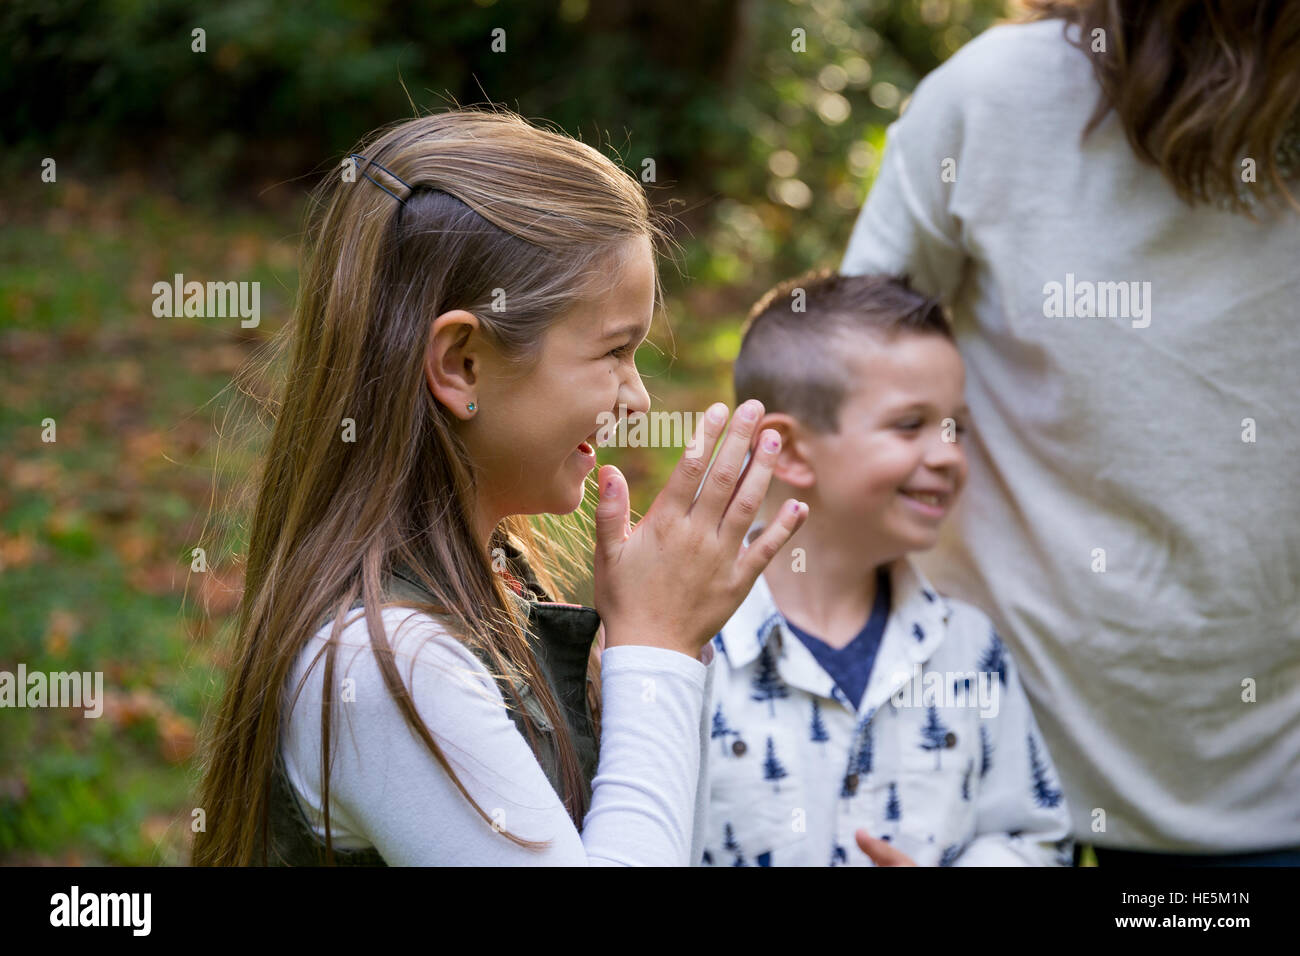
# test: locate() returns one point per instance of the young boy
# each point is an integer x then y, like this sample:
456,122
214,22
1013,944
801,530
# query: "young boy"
912,727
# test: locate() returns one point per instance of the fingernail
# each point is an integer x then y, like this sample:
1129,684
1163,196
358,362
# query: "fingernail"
749,411
771,442
718,412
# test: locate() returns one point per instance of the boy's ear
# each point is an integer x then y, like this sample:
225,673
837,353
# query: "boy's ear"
792,465
451,361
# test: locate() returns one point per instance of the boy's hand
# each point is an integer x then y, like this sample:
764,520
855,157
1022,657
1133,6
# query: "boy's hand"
882,852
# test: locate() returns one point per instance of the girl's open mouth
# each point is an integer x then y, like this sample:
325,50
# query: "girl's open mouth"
586,454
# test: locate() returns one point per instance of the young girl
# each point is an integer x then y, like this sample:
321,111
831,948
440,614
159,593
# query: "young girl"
403,689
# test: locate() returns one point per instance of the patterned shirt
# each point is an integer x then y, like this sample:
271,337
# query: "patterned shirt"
943,756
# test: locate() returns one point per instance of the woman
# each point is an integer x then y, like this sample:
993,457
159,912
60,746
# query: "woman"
1105,197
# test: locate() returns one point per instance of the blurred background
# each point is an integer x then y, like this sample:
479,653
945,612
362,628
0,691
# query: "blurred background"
169,159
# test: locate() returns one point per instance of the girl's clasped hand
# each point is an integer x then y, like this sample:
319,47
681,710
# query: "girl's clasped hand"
675,579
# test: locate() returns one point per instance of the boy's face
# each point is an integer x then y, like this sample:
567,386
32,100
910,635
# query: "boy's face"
893,471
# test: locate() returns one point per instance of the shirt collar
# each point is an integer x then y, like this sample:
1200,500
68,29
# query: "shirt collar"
917,624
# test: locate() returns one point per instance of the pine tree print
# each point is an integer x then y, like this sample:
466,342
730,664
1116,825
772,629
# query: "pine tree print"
767,683
986,751
721,729
933,734
994,660
764,859
819,734
949,855
717,639
729,843
772,769
917,632
864,757
1044,795
839,855
708,858
893,808
965,780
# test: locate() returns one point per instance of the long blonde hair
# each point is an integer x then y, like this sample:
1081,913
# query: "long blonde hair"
1198,85
494,202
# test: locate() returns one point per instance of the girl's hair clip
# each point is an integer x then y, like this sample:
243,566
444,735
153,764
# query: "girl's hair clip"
368,162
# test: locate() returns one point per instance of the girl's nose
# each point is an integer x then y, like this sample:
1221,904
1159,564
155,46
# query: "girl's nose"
634,395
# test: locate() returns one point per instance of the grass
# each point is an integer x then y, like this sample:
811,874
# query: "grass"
96,526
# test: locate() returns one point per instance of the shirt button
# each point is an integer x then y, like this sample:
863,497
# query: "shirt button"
738,748
950,740
851,784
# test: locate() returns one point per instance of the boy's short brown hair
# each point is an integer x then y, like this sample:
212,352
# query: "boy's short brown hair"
792,361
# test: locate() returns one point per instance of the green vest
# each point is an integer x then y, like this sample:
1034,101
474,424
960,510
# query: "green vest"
561,636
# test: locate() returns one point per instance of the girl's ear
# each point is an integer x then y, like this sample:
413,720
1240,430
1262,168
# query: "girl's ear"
453,361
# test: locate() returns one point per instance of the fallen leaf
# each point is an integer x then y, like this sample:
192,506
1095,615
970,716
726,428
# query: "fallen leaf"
17,551
62,626
176,737
126,710
33,473
220,590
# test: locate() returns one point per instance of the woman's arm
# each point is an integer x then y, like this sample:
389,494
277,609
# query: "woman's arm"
387,790
906,224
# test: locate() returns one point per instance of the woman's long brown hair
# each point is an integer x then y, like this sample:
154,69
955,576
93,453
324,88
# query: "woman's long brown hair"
495,203
1198,86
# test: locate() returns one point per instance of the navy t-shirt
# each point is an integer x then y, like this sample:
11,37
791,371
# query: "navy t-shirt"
850,666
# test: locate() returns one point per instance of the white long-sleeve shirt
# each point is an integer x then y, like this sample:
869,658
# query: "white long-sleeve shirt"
1132,517
388,791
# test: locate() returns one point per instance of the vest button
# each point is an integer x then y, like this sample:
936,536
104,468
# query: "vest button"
851,784
950,740
739,748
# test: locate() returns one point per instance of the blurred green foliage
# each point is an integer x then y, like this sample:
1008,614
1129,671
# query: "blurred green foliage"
175,161
750,125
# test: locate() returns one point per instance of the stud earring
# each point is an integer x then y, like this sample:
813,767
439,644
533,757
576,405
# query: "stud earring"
470,406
